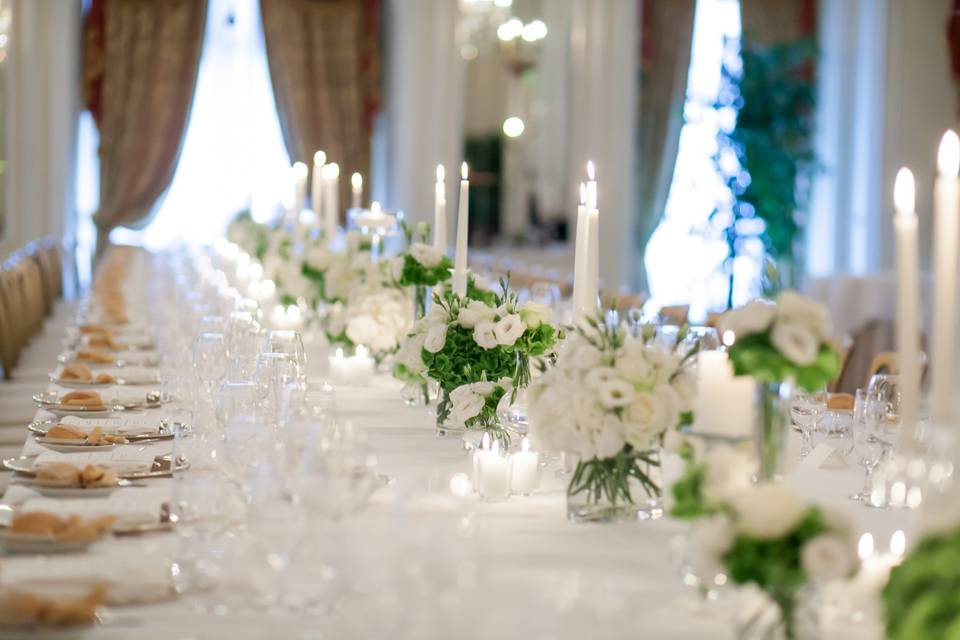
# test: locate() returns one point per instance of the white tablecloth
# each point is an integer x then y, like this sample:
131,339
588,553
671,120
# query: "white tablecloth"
422,563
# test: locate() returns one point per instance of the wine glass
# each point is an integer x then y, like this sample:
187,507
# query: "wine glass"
243,344
867,447
805,411
272,373
883,408
304,410
210,360
289,342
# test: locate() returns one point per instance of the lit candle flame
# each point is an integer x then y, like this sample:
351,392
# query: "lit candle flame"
463,171
440,173
904,191
361,351
375,208
485,440
299,170
525,445
339,354
583,194
319,159
898,543
729,337
357,181
948,157
865,546
331,171
591,171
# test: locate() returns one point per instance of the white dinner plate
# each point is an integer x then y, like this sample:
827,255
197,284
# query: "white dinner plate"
160,469
23,543
63,445
163,432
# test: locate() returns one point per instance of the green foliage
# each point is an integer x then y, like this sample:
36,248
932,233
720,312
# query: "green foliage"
318,278
754,355
415,274
462,360
774,565
922,598
609,479
688,500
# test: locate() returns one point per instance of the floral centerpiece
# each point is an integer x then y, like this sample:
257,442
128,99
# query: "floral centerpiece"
765,537
921,597
422,266
471,347
608,401
787,341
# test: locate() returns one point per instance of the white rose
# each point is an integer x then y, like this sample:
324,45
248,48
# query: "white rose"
362,330
436,337
534,314
598,376
685,384
634,367
728,473
474,312
796,341
767,511
587,410
466,403
508,329
483,335
668,403
755,317
793,306
828,557
615,393
425,254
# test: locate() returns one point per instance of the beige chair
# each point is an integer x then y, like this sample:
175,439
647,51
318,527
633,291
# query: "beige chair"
843,346
888,362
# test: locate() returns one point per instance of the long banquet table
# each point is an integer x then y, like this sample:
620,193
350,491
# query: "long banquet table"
420,562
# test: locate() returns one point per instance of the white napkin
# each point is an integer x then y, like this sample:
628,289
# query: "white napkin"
126,459
131,577
124,425
142,358
130,508
116,394
136,374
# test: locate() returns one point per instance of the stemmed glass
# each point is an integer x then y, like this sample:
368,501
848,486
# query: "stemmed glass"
866,445
805,411
272,373
243,344
303,411
290,343
210,361
883,408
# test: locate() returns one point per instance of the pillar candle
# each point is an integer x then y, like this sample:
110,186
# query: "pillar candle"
524,470
331,202
493,472
580,256
724,404
463,221
908,303
440,212
316,186
356,190
946,204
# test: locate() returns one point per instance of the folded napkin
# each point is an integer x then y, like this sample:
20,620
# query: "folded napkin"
130,508
131,577
125,459
136,374
141,358
124,425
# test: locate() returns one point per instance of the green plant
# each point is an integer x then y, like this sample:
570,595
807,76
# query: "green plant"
922,598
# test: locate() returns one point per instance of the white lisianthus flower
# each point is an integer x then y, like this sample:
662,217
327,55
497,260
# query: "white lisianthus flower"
425,254
793,306
474,312
796,341
668,405
598,376
396,267
483,335
615,393
587,410
508,329
483,388
685,384
466,403
754,317
633,366
318,257
767,511
829,556
729,472
435,337
410,355
534,314
610,440
586,357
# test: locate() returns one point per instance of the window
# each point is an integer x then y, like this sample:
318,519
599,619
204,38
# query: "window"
686,256
233,155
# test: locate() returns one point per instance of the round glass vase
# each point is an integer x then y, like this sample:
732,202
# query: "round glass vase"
772,410
625,488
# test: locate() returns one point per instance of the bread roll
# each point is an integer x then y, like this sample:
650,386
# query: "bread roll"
87,399
38,523
66,432
88,355
61,473
105,378
76,371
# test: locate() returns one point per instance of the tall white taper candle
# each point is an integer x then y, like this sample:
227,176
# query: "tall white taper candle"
580,256
463,222
440,212
908,280
356,190
946,206
316,185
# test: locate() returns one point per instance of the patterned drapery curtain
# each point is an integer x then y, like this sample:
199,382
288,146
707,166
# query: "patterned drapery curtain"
141,67
666,38
769,23
324,66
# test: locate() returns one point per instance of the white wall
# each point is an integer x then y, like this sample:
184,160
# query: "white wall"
43,75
